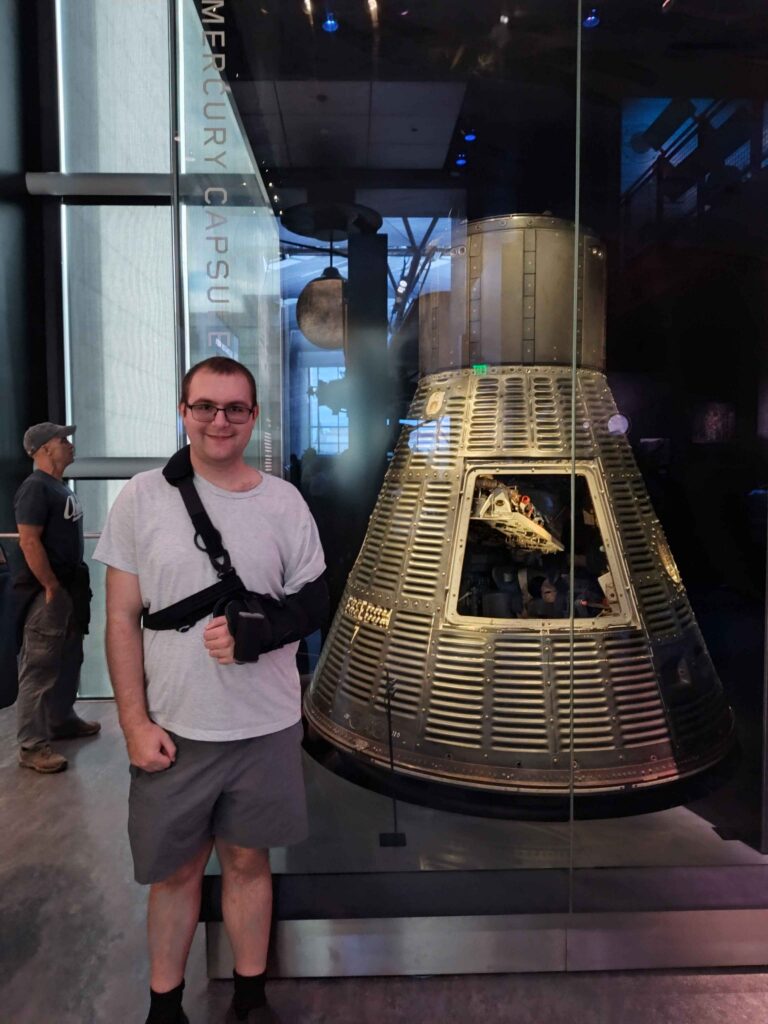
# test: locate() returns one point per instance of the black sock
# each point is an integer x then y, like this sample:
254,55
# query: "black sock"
165,1007
249,992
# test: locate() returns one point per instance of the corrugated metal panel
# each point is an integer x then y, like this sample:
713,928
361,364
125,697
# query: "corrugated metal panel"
455,712
519,708
405,663
635,691
392,526
515,418
428,557
580,675
363,662
484,421
547,423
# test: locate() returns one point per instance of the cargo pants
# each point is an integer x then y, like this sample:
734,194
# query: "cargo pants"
49,669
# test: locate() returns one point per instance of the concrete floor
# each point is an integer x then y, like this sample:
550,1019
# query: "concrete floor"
72,932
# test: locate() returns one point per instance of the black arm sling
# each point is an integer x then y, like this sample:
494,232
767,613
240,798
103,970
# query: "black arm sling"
185,613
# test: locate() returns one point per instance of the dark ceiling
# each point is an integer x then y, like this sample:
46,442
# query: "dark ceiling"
424,40
382,102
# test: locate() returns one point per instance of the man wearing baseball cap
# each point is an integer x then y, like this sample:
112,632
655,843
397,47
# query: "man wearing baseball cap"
53,595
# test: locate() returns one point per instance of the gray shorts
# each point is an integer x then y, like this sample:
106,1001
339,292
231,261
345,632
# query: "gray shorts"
247,792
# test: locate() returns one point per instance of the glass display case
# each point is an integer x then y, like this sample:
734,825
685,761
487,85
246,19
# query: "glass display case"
499,270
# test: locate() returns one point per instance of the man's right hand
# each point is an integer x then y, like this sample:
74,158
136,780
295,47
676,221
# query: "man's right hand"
51,592
150,748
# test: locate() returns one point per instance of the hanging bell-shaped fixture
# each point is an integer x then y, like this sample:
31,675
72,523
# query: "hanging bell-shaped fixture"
321,310
515,601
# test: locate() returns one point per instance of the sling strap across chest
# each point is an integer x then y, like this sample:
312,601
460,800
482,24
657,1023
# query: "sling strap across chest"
258,622
185,613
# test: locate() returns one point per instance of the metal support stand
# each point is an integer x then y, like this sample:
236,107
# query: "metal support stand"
395,837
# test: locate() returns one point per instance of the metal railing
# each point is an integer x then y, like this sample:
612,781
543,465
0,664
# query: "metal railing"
15,536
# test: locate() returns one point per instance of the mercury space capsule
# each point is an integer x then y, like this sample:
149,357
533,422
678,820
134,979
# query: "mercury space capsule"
515,601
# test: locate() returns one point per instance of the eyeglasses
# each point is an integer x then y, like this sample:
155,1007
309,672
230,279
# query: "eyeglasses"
235,412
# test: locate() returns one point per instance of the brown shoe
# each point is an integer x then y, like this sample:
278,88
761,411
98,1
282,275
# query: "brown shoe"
75,729
42,759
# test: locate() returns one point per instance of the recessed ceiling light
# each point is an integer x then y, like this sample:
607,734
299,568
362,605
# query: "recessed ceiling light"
592,20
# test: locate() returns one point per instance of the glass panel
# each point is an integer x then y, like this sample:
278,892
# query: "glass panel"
229,236
366,131
327,422
105,125
119,329
96,497
672,181
212,138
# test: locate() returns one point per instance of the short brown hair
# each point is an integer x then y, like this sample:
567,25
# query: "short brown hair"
225,367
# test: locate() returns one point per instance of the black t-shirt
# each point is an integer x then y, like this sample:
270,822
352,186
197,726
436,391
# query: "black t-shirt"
42,500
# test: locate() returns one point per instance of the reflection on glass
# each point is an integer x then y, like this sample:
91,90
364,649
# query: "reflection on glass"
686,167
328,422
212,138
433,436
94,675
229,243
680,157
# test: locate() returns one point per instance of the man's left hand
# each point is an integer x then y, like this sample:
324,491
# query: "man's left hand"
219,642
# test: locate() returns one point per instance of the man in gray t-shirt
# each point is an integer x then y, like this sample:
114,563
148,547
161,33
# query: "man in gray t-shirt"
53,596
210,712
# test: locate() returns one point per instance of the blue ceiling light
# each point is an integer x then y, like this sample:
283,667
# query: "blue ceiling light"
461,160
470,135
592,20
330,24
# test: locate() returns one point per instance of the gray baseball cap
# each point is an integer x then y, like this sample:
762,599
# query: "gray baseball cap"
38,435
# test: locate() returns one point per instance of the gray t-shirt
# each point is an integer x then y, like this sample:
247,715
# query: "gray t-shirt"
42,500
274,546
